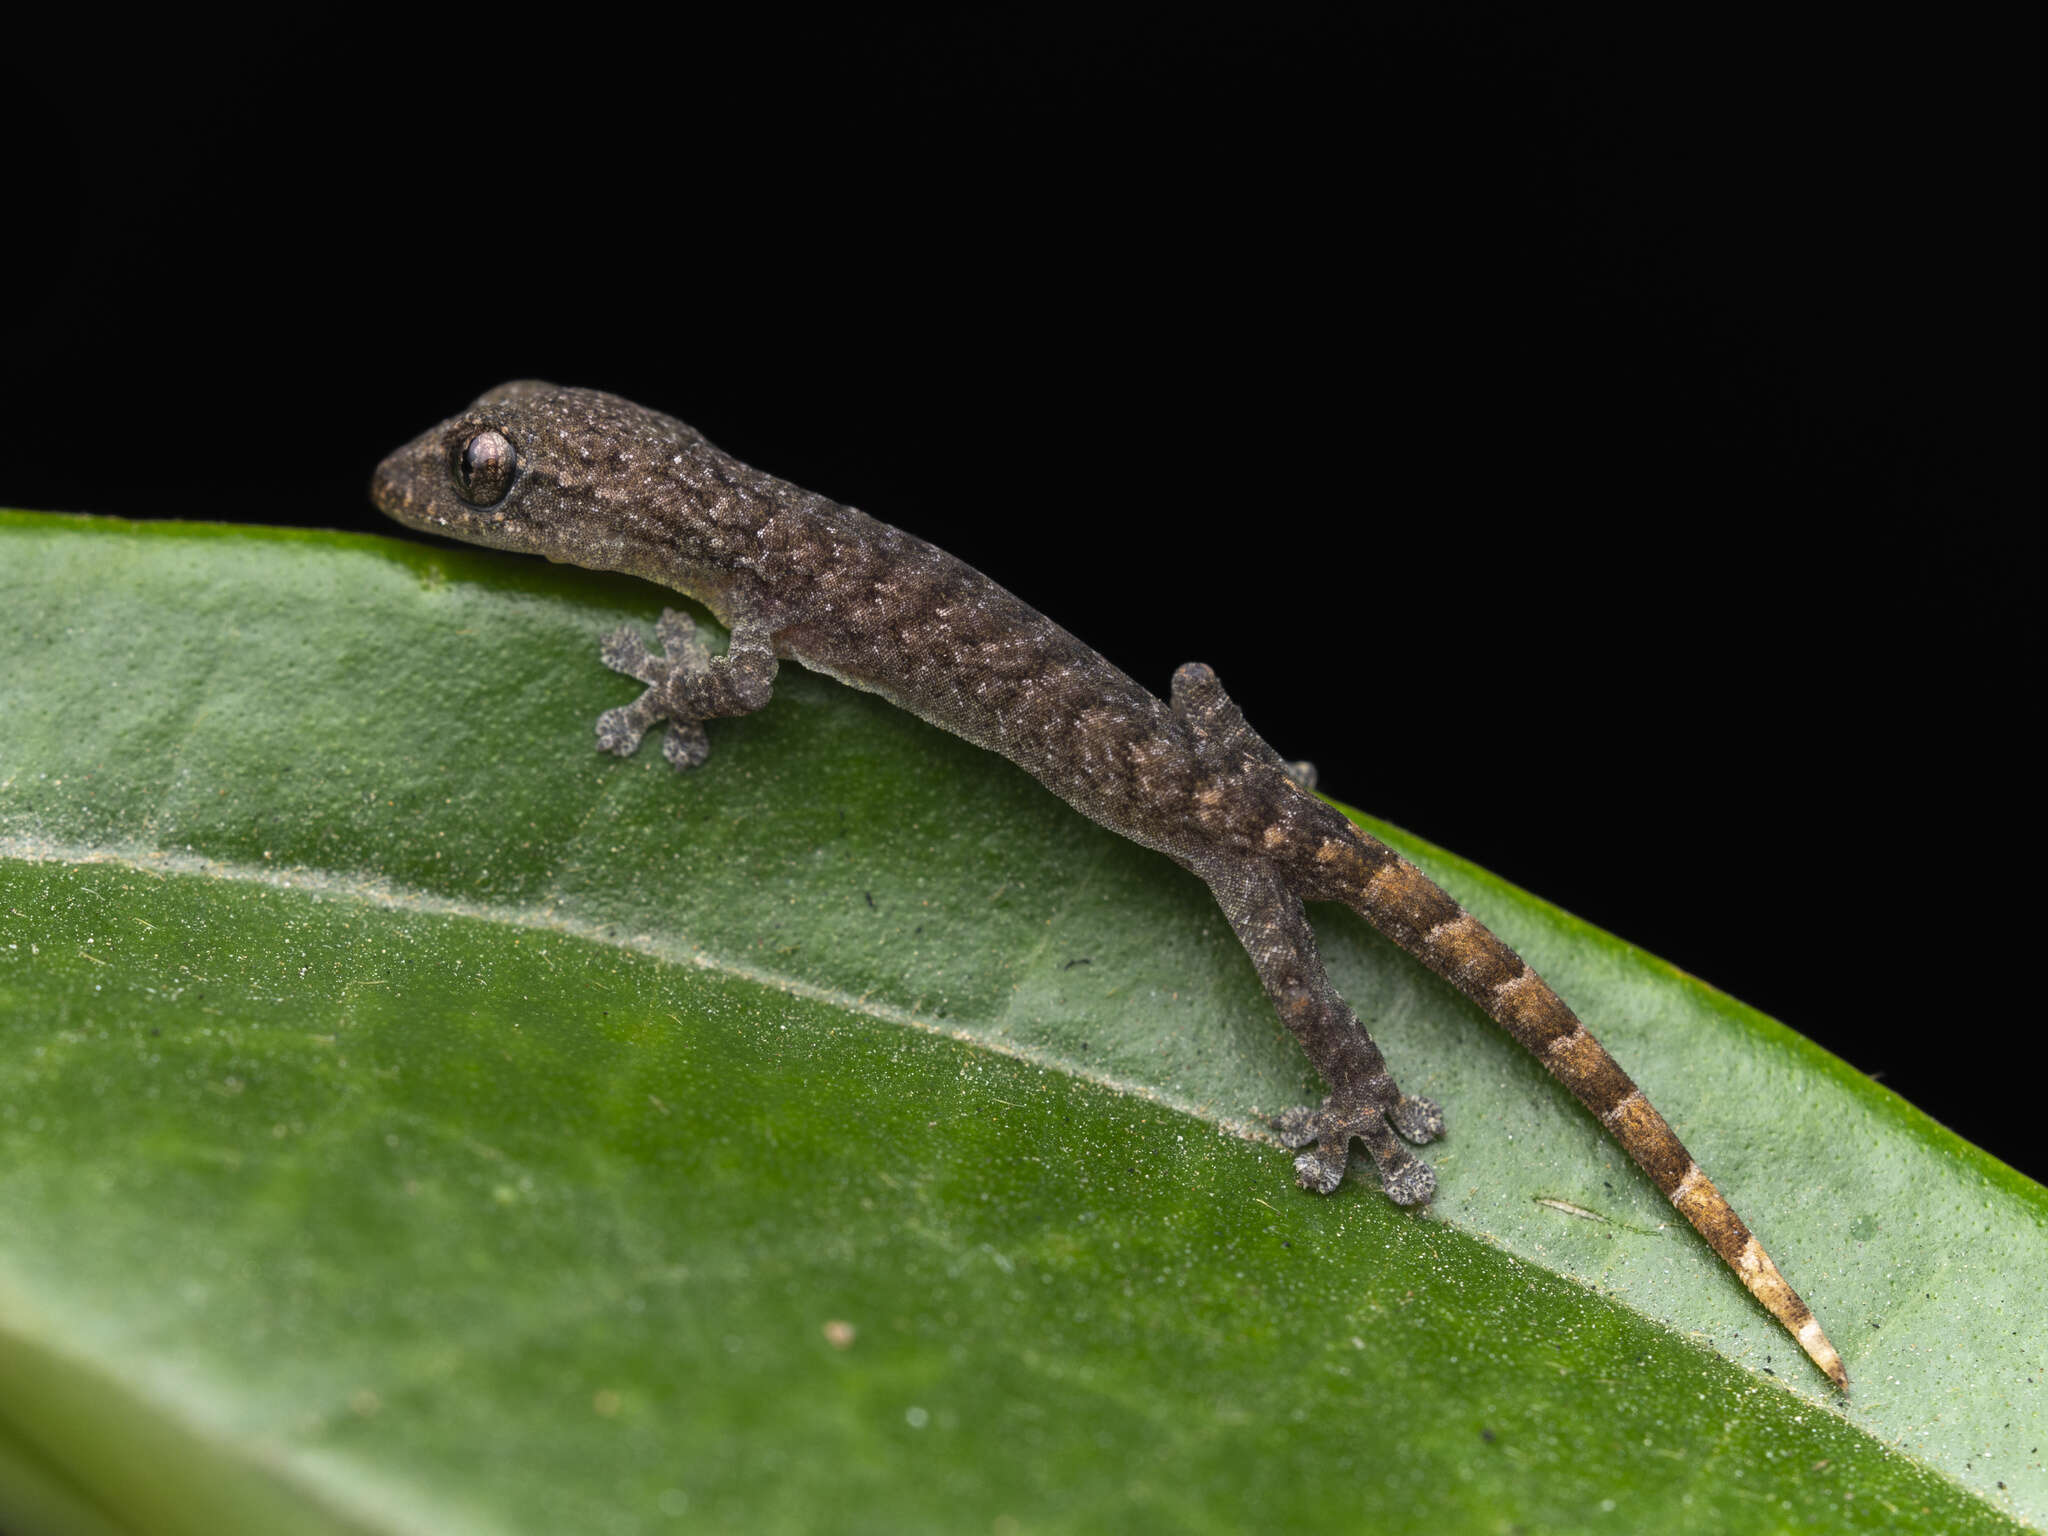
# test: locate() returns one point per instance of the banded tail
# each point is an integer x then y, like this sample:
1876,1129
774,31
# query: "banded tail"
1409,908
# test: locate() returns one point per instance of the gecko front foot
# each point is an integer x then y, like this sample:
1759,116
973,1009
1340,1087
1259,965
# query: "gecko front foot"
1323,1137
684,659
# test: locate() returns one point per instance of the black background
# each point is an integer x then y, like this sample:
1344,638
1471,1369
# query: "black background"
1574,440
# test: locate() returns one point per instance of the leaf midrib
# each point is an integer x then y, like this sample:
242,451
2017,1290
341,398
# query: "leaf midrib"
380,893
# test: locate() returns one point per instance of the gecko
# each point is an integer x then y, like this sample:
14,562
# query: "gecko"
587,478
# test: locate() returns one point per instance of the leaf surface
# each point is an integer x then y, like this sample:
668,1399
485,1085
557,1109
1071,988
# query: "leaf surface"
411,1120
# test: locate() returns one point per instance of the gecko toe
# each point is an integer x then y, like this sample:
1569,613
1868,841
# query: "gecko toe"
624,651
676,632
1409,1182
619,731
1406,1179
1321,1167
1296,1127
685,744
1417,1119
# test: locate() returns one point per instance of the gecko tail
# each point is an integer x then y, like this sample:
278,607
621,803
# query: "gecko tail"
1412,910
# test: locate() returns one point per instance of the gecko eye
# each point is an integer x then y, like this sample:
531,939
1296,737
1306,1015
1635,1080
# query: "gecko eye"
484,468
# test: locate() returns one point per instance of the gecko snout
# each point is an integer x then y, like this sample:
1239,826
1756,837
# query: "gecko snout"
387,486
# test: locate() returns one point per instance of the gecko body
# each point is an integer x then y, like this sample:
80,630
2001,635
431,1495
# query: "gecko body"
590,479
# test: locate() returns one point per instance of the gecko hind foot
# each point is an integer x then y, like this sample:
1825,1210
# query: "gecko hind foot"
1322,1140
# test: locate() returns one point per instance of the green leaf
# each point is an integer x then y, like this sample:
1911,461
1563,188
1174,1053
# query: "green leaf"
411,1120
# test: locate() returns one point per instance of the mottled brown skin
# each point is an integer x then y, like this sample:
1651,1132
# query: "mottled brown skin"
593,480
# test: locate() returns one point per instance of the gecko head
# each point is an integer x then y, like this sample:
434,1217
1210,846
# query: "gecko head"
531,467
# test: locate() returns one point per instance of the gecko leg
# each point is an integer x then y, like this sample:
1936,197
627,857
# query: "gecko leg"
1364,1101
1199,699
686,685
